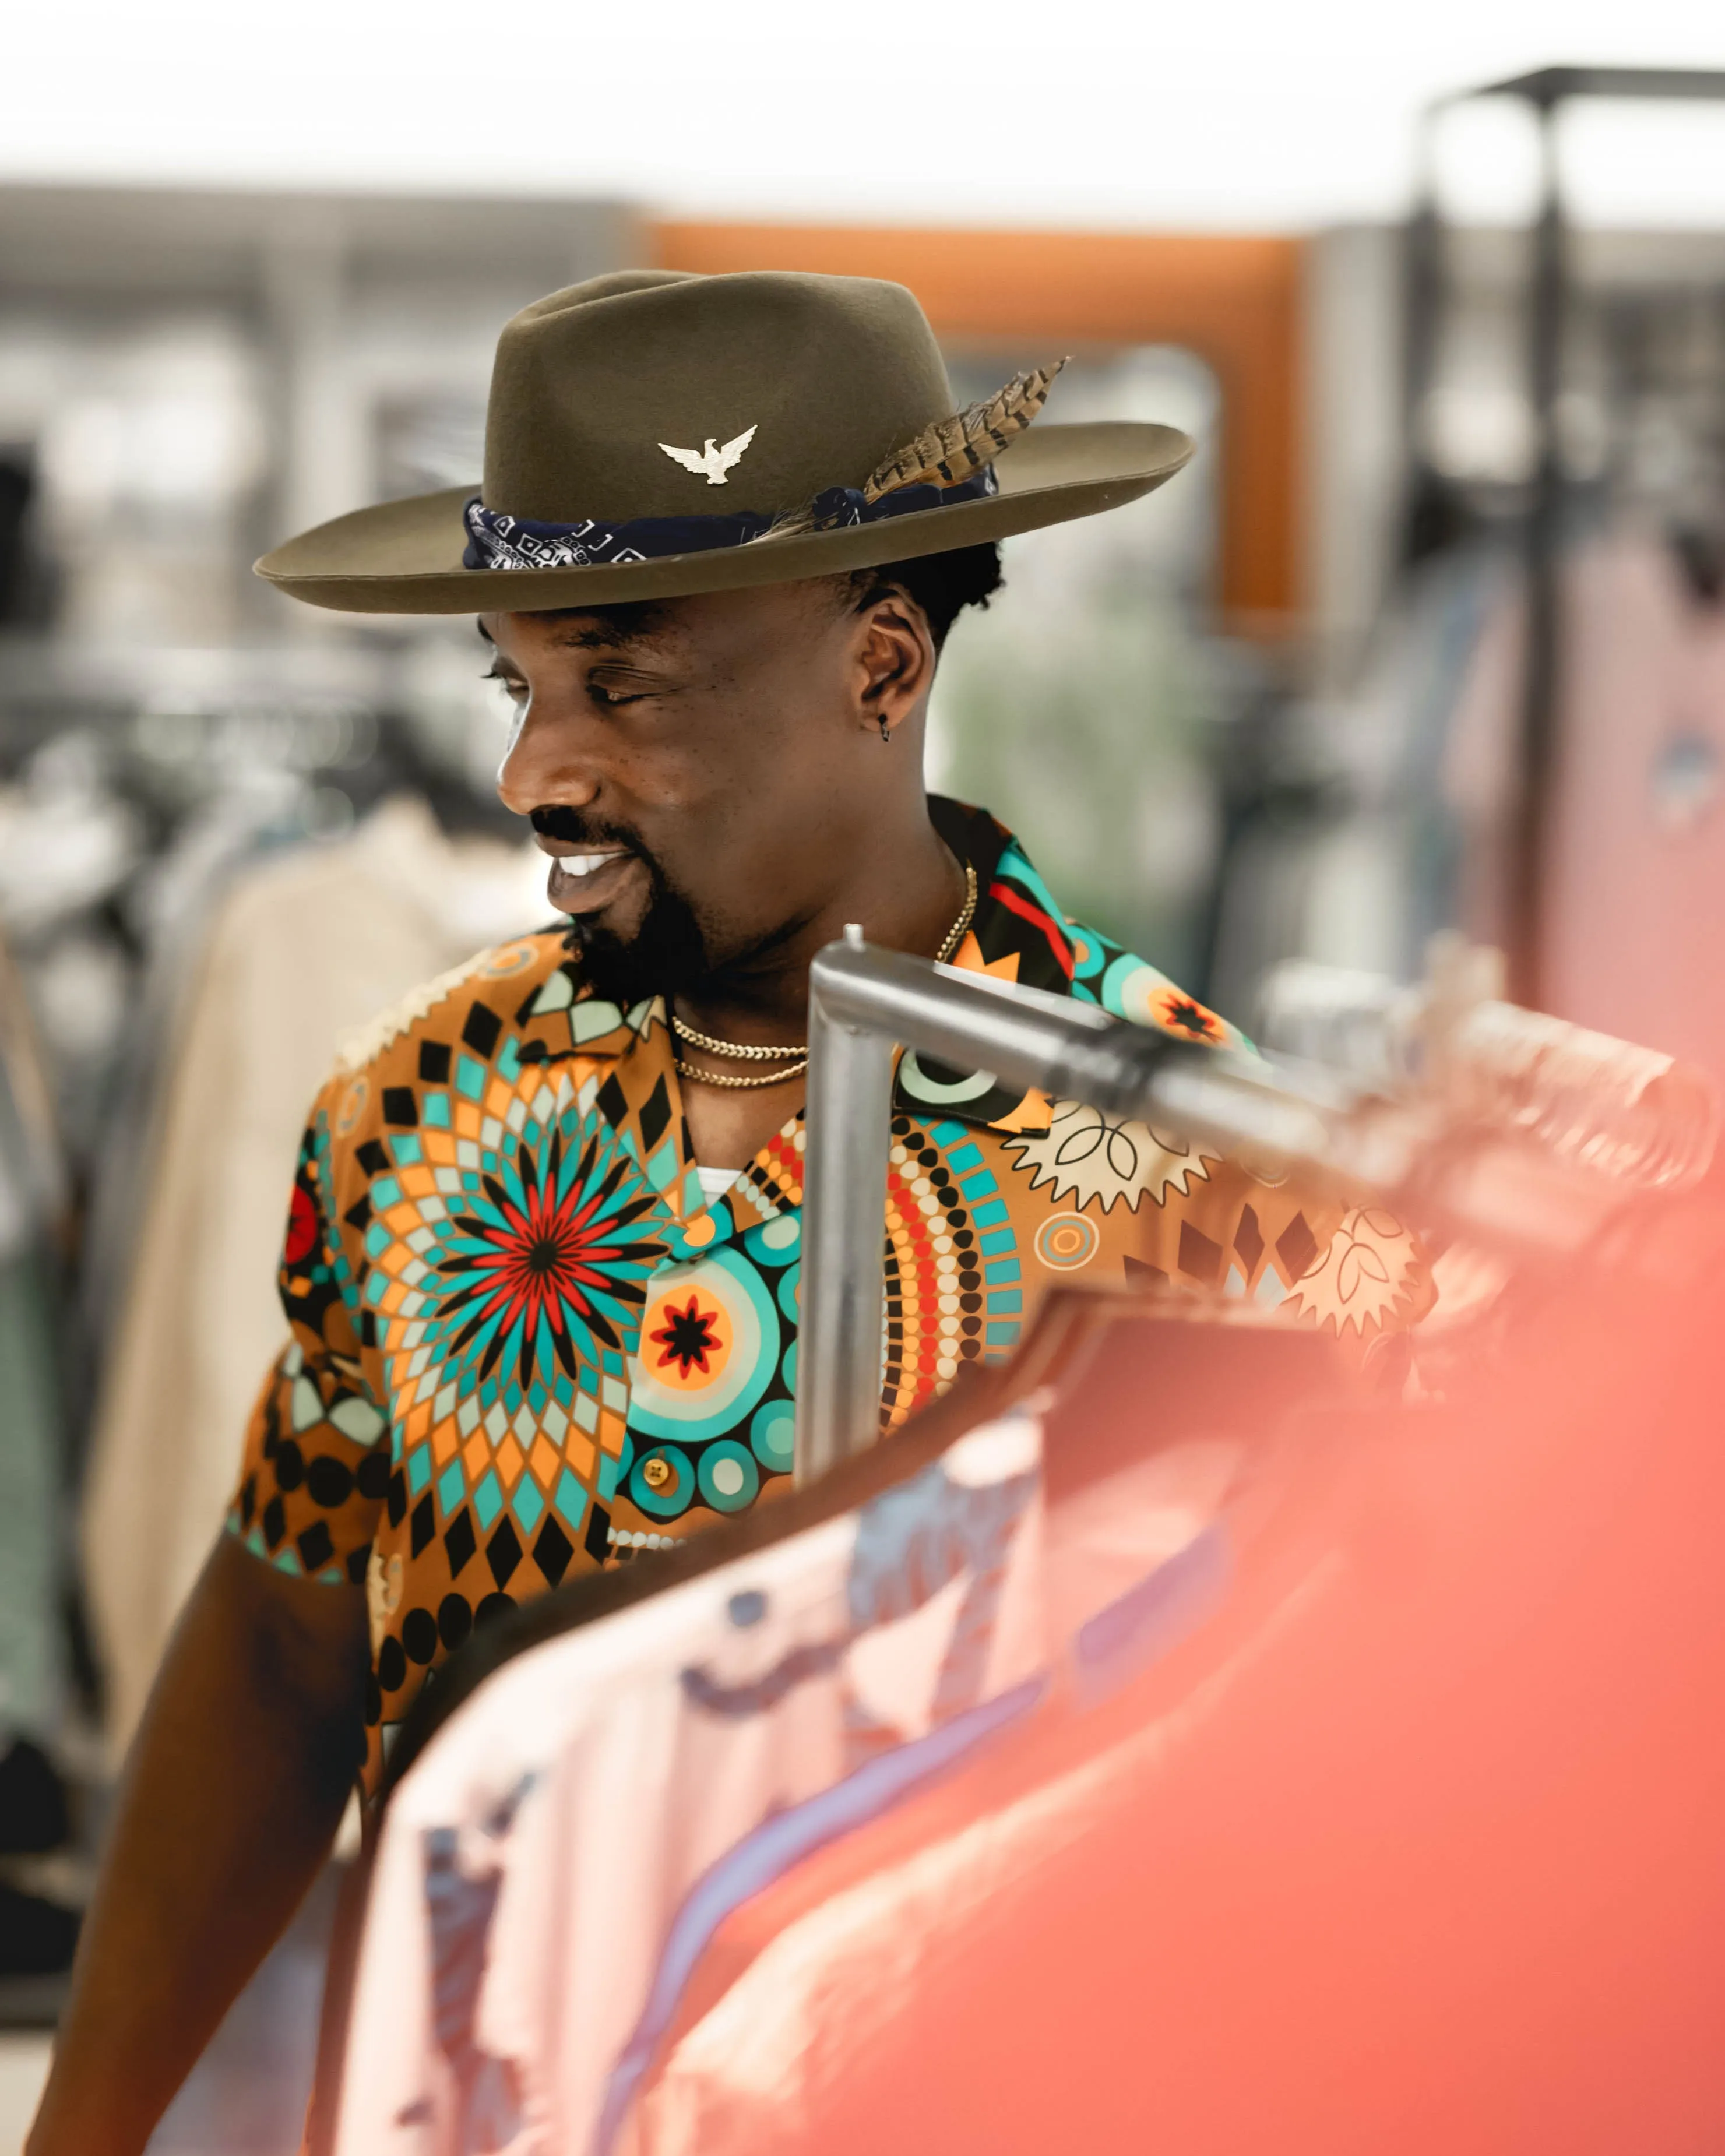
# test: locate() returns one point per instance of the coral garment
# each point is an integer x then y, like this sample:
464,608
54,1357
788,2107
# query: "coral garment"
1413,1845
525,1343
554,1861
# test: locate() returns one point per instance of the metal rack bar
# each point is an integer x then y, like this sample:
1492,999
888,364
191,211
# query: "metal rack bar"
861,1001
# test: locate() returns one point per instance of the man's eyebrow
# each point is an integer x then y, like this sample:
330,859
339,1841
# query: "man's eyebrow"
642,621
605,636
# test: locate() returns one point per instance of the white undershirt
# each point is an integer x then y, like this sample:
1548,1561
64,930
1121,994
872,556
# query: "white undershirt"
715,1182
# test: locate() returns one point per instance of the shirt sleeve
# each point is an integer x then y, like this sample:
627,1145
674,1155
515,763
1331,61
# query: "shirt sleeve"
318,1457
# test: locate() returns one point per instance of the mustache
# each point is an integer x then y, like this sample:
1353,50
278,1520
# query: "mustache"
574,827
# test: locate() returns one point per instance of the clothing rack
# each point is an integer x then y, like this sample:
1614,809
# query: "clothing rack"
863,1001
1546,93
1524,1133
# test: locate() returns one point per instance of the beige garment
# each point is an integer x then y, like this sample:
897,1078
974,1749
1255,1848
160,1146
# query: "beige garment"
303,950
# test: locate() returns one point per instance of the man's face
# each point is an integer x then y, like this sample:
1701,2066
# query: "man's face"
699,770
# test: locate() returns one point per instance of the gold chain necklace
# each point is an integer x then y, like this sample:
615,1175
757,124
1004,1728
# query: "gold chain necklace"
751,1052
724,1078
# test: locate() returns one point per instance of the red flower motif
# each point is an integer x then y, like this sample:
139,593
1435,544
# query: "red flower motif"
686,1337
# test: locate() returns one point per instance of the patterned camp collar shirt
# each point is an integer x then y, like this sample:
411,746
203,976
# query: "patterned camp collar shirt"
524,1343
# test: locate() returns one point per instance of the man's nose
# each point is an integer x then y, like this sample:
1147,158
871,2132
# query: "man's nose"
542,765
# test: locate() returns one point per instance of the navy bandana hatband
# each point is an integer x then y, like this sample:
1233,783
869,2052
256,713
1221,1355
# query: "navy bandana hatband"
497,542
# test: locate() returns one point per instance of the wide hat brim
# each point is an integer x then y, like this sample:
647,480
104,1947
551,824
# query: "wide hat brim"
405,556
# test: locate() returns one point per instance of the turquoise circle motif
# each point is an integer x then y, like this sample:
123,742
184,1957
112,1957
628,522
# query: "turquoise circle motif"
1087,953
1128,986
774,1241
772,1436
695,1412
729,1480
790,1281
663,1499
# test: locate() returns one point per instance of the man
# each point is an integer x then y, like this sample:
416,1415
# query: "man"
541,1261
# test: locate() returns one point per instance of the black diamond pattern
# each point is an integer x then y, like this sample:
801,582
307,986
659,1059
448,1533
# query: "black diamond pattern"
460,1542
315,1549
399,1106
655,1114
503,1553
1296,1246
552,1550
481,1030
612,1102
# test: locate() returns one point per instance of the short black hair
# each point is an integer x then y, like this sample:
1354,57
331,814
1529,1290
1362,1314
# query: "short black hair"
942,584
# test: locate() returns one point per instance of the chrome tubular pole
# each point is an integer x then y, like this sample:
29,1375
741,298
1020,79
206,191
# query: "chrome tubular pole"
861,1001
847,1136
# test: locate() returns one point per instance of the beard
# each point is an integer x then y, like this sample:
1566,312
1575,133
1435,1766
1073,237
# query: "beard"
665,956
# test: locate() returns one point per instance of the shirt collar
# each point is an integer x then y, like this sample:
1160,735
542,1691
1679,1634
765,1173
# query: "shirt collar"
1018,934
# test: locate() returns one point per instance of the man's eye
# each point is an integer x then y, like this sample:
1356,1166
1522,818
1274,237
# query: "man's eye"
610,698
513,689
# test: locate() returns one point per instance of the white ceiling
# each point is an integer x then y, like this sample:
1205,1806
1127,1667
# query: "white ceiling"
1219,114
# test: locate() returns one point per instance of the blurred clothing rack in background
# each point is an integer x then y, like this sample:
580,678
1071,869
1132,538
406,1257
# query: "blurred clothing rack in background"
1546,93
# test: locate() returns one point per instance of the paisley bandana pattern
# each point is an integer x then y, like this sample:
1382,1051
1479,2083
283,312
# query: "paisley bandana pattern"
524,1343
495,541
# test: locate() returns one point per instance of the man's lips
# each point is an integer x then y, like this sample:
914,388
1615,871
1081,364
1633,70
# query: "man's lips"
587,880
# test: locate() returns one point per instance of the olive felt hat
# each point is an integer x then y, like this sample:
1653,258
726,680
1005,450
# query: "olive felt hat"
651,434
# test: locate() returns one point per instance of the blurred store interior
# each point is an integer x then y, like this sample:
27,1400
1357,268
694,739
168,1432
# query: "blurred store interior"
1290,706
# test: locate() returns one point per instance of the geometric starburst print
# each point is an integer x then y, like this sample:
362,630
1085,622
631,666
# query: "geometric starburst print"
520,1244
542,1253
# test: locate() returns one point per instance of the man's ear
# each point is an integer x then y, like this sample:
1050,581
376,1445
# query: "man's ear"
895,660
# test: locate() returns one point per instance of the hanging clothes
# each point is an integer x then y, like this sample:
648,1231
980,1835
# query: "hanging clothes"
656,1767
1635,873
218,841
1414,1843
1634,870
306,947
1342,844
32,1200
587,1813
